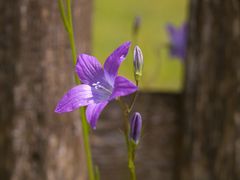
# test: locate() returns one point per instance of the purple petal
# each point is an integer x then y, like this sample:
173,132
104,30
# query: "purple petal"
113,62
175,34
88,69
171,30
80,95
123,87
93,112
178,38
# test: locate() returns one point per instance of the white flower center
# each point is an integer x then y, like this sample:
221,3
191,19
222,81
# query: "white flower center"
98,86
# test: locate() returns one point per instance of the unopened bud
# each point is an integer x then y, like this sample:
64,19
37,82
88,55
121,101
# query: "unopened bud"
138,62
136,25
136,127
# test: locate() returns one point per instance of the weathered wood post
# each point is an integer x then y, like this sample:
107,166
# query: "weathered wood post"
211,127
35,70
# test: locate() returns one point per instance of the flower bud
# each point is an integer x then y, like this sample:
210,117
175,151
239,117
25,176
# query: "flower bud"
136,127
136,25
138,63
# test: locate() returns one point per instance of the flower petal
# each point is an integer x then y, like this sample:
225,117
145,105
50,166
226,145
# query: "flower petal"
178,39
88,69
123,87
113,62
174,33
170,29
80,95
93,112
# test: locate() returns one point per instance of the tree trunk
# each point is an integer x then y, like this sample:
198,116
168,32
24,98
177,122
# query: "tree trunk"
35,71
212,98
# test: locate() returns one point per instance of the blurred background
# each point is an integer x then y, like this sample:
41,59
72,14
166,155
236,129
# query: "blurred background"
113,23
189,97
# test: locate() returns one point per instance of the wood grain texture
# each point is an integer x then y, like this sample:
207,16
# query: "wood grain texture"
36,70
211,122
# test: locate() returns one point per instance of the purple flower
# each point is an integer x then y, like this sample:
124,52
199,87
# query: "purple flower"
136,127
100,84
178,40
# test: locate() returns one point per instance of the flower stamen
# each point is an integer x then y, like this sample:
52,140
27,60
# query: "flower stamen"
97,85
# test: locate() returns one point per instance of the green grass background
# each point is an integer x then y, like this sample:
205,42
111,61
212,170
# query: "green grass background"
113,21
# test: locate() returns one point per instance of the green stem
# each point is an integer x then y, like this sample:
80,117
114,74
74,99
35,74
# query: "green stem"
85,130
130,146
124,108
63,16
71,32
133,102
131,167
67,21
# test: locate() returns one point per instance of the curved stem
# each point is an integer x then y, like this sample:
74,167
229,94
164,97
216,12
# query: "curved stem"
133,102
63,16
124,109
71,32
67,21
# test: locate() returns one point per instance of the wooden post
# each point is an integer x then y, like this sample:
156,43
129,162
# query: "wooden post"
211,124
35,71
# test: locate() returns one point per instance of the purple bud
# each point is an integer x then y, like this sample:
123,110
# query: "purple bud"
138,62
136,25
136,127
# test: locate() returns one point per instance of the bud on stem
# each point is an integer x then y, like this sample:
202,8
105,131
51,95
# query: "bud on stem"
136,127
138,63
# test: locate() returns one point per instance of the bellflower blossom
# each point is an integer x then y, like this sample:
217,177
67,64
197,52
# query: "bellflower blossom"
178,40
100,84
